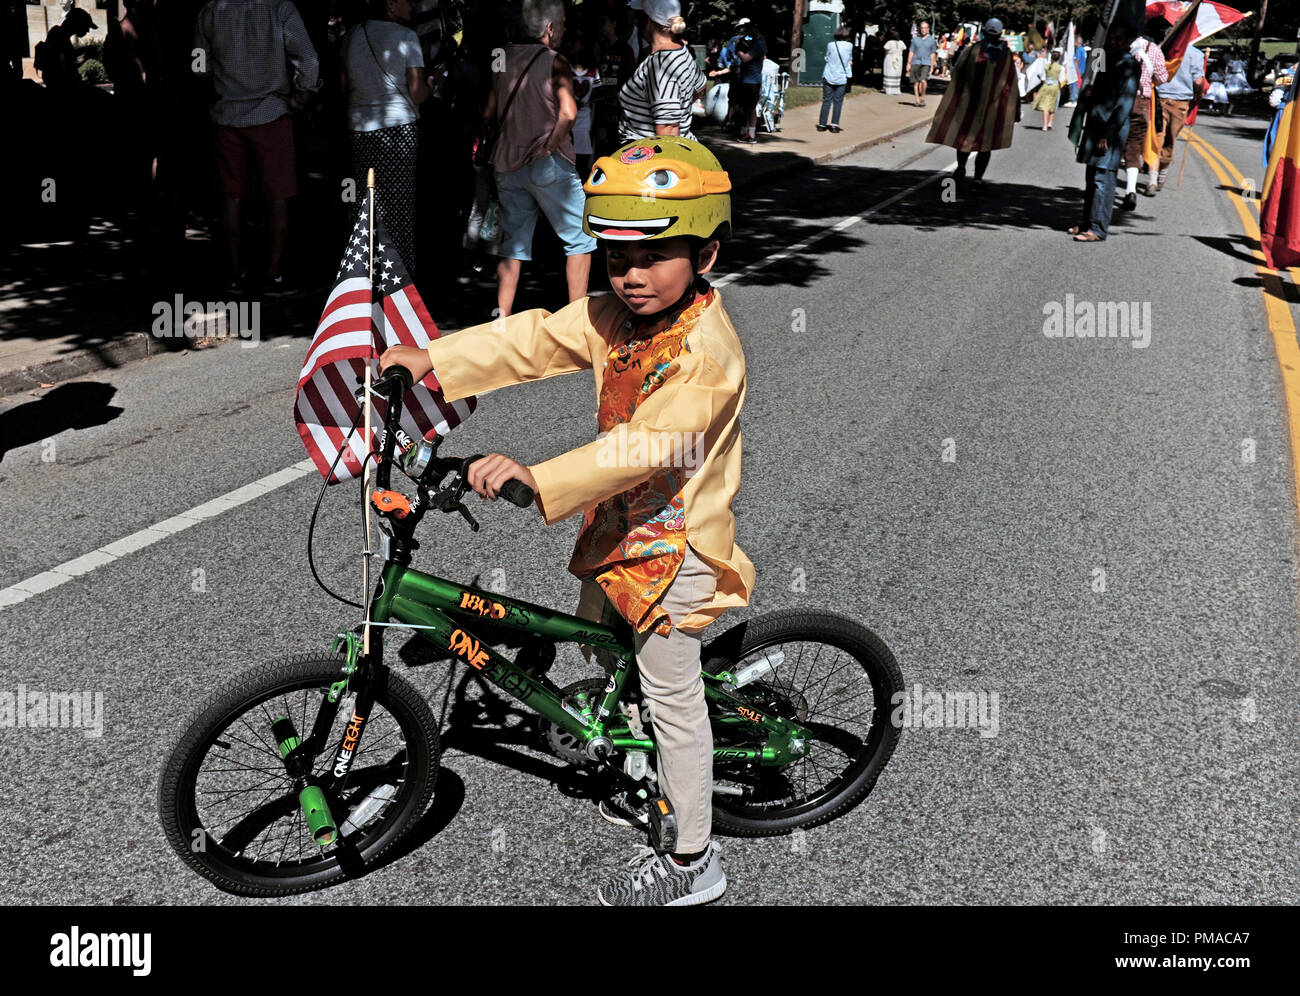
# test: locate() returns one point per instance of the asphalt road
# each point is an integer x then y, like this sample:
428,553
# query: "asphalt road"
1102,535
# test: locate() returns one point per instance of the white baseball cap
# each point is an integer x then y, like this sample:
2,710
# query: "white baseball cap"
659,11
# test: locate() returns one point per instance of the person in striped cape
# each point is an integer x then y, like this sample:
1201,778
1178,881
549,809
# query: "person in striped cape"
981,105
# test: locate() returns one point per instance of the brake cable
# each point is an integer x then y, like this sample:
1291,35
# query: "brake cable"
311,528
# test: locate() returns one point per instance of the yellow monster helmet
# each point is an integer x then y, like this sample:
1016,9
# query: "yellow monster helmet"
657,188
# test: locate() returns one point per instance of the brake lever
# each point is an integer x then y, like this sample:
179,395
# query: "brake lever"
460,507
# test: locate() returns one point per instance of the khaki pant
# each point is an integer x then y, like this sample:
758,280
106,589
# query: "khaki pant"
1139,121
674,691
1175,112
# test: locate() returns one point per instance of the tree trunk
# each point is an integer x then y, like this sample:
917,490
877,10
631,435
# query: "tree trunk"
796,39
1254,42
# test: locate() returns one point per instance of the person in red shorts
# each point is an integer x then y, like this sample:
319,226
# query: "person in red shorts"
262,65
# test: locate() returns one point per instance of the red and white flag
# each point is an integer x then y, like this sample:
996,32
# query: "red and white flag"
1211,17
359,322
1067,56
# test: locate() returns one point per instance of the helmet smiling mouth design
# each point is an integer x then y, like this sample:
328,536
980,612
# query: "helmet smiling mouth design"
627,231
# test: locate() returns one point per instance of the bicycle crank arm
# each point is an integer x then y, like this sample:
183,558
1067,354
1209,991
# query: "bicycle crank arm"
599,751
662,826
315,808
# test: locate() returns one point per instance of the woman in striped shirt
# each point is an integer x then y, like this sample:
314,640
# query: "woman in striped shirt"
658,97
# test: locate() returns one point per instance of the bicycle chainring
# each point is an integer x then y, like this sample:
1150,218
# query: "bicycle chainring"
564,744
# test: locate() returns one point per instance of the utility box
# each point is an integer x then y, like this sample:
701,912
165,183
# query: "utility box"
818,31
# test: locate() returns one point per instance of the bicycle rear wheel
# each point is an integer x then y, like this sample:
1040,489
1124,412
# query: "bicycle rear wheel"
838,680
229,808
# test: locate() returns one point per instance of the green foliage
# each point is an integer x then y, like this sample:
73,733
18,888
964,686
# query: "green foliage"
89,49
717,18
92,71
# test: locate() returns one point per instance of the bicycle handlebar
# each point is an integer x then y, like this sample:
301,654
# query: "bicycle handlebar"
517,493
393,385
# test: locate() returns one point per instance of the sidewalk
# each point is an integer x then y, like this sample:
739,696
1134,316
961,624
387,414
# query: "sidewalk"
869,118
84,305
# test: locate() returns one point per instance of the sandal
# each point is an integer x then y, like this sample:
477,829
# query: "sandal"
1087,237
1073,230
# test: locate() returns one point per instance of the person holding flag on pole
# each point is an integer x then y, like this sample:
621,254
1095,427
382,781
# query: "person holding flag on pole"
1143,119
1279,213
1179,97
1178,100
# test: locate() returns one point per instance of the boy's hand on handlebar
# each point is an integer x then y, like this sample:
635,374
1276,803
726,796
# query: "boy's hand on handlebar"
486,476
413,358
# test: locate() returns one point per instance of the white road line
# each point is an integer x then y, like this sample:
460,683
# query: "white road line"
127,545
839,226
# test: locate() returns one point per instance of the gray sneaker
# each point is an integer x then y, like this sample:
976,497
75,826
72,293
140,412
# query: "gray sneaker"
657,880
625,811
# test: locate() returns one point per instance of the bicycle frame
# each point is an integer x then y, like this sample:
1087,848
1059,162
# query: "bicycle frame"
443,610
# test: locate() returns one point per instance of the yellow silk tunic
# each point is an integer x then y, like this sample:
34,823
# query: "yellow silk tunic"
699,401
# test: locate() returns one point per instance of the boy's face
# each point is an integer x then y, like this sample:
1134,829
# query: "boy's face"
651,276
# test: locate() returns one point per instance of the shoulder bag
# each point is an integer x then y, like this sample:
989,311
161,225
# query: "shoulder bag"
487,138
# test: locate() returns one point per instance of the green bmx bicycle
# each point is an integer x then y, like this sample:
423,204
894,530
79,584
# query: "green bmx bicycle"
304,771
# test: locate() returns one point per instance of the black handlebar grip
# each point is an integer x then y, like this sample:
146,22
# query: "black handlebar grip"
517,492
395,372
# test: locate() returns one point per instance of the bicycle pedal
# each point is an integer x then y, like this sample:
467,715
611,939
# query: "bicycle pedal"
663,825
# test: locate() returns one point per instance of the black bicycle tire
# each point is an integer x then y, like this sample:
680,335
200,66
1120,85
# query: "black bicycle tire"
789,625
179,771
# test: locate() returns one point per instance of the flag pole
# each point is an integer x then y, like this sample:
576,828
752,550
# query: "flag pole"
365,473
1187,144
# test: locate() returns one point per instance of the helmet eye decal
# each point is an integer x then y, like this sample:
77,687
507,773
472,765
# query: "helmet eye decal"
597,177
663,179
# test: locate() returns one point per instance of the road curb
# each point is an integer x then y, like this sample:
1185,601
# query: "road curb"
140,345
133,346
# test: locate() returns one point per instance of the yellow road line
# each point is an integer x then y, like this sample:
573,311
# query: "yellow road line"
1280,323
1254,201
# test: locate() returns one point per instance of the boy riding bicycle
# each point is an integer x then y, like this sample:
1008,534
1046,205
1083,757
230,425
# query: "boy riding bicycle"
655,489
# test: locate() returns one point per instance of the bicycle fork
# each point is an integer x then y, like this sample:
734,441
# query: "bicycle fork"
298,755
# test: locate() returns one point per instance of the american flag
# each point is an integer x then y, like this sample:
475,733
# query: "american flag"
355,327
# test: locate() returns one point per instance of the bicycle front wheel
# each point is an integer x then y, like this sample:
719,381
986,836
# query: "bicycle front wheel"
230,811
834,677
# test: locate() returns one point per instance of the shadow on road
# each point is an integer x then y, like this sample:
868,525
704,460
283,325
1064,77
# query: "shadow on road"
768,218
78,405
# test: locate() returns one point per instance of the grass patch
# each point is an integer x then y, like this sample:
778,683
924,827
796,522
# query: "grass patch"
1268,47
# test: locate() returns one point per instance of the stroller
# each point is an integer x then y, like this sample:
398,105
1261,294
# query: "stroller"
771,96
